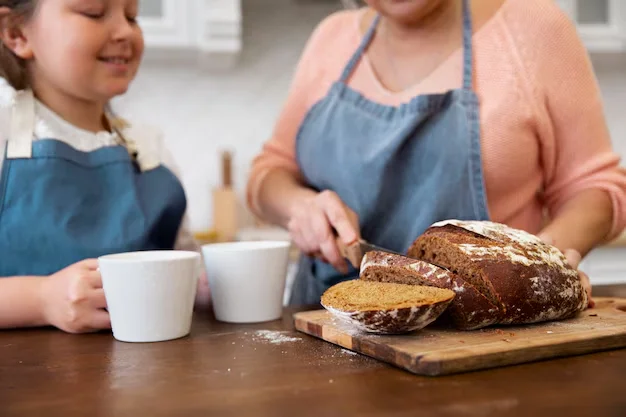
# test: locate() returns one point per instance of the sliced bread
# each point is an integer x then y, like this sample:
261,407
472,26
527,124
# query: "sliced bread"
386,308
469,310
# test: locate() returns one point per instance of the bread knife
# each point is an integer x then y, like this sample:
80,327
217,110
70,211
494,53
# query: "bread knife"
355,252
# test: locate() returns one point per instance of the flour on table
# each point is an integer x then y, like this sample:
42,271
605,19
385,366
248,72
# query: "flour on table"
274,337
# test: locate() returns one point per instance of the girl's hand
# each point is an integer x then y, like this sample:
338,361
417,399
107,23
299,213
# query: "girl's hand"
203,293
314,222
73,299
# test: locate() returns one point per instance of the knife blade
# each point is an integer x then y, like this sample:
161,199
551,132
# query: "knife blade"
355,252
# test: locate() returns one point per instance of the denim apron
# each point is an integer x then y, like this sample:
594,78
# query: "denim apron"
399,168
59,205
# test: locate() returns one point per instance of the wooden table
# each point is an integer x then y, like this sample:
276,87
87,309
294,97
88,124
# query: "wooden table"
270,370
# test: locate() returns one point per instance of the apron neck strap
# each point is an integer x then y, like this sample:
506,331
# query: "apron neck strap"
347,71
467,48
22,126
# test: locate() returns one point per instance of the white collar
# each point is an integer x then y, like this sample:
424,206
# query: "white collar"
50,125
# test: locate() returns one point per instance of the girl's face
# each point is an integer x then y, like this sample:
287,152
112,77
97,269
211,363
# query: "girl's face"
406,12
90,49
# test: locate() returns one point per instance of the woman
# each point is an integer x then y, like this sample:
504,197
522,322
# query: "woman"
405,113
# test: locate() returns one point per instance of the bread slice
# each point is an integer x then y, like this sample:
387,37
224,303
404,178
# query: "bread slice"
469,310
527,279
386,308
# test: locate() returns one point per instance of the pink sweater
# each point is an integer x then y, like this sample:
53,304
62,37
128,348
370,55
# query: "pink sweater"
543,133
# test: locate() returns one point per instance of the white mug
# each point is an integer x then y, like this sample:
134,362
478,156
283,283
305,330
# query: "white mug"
247,279
150,295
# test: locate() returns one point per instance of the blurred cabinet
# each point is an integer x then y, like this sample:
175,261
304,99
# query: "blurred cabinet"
601,23
166,23
203,30
606,265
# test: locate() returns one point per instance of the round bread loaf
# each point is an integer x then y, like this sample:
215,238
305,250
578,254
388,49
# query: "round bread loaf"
527,280
386,308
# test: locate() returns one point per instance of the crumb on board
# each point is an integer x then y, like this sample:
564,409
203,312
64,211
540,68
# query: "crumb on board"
593,315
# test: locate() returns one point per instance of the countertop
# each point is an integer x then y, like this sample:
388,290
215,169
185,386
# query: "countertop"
269,369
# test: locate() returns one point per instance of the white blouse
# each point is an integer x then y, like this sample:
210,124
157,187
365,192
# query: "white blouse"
50,125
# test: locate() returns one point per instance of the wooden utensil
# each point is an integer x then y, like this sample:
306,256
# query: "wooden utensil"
225,202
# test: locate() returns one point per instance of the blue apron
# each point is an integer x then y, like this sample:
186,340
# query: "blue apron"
59,205
399,168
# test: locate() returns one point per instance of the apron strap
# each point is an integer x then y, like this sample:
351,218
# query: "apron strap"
347,71
22,126
467,46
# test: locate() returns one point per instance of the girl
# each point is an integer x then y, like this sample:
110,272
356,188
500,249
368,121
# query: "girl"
408,112
77,182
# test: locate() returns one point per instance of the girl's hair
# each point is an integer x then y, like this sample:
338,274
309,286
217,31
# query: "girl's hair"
13,68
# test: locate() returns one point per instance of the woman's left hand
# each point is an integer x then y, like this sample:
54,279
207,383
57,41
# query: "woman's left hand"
573,258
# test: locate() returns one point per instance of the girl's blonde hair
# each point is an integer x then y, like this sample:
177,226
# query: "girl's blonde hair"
13,68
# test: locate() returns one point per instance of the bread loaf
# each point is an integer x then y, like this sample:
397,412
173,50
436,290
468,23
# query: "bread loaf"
527,280
385,308
469,310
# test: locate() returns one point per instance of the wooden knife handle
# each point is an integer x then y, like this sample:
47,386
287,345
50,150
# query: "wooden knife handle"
351,252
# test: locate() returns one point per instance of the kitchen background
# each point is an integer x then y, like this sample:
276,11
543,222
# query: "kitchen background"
217,71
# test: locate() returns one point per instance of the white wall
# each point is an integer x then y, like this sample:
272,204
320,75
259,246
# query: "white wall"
611,72
202,113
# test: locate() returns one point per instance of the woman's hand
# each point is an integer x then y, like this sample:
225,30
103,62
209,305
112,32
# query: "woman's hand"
73,299
573,258
317,221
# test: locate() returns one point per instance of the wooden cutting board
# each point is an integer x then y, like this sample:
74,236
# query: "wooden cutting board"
437,350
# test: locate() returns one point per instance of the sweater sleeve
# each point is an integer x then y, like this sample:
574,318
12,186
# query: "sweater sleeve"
577,154
310,82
